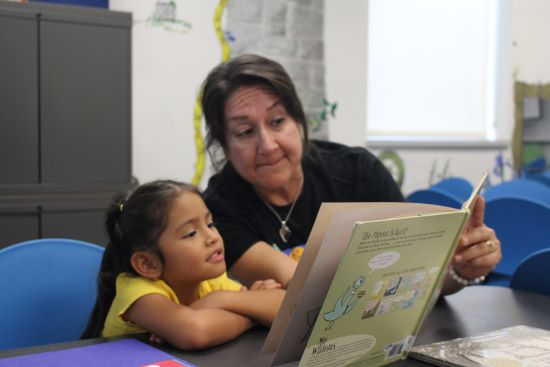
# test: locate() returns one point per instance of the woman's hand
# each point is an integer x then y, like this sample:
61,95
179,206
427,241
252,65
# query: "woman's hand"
478,250
265,284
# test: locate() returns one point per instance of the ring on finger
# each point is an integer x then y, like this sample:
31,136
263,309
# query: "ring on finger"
491,245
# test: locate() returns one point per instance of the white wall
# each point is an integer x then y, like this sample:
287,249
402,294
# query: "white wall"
345,37
168,67
427,166
523,48
531,39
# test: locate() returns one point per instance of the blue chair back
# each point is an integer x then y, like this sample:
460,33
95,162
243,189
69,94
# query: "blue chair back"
436,196
520,187
522,226
48,289
543,177
457,186
533,273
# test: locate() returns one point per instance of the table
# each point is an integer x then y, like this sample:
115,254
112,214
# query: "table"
474,310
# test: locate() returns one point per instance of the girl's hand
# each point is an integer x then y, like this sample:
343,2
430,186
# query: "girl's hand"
478,251
265,284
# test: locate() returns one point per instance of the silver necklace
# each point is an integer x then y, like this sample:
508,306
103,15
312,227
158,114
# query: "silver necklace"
284,232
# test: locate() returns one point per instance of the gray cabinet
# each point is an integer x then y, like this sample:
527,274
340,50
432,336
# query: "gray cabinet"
65,119
18,99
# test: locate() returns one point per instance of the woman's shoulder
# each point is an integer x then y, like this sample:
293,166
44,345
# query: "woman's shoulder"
357,174
340,159
335,151
225,188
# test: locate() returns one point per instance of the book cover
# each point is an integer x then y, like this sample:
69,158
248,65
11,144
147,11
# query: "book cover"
382,290
517,346
324,251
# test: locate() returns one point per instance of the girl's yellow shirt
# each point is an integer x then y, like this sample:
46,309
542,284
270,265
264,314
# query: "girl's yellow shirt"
129,288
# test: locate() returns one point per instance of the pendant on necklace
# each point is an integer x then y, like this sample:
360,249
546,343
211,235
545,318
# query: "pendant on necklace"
284,231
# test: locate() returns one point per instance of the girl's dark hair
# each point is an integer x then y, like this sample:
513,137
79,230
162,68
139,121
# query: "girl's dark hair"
133,222
246,70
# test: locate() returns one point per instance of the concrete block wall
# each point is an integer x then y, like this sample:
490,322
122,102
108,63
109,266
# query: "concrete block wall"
290,32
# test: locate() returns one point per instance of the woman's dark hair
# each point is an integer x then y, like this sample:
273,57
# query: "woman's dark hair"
246,70
133,222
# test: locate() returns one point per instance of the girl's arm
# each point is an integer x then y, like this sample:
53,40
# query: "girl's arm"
261,305
184,327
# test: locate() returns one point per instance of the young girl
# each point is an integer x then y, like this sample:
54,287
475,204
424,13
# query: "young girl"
163,272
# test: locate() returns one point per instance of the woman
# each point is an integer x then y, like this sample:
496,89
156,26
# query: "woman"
270,189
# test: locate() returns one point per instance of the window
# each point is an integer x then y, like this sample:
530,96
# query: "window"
431,69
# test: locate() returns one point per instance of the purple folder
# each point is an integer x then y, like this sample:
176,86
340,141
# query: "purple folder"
119,353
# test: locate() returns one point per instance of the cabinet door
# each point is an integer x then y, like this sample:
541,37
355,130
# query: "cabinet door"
18,226
18,100
83,224
85,102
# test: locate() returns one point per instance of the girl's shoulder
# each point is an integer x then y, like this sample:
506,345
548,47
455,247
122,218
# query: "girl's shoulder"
221,283
135,286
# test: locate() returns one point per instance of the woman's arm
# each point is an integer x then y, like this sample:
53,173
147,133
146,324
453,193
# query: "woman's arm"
261,261
260,305
184,327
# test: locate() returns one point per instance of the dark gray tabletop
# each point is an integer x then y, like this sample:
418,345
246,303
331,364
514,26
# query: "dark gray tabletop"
472,311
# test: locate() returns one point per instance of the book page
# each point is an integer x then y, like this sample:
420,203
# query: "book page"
326,244
381,290
471,202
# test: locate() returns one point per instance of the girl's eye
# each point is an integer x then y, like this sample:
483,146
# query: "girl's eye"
189,234
212,225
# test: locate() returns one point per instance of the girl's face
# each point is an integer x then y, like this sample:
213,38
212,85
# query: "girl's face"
264,142
191,246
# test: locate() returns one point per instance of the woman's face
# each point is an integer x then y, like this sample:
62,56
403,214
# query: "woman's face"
264,142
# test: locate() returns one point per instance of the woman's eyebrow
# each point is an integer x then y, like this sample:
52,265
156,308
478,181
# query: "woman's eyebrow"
238,118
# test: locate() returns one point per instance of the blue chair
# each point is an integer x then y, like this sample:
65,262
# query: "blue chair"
436,196
532,273
47,291
535,166
543,177
522,226
457,186
520,187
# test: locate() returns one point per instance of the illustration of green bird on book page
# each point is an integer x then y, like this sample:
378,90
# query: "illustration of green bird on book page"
345,302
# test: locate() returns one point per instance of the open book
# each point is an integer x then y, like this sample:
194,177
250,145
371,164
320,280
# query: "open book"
516,346
368,276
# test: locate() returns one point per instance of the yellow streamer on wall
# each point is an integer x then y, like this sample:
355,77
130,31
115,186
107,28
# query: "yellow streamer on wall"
197,114
226,50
